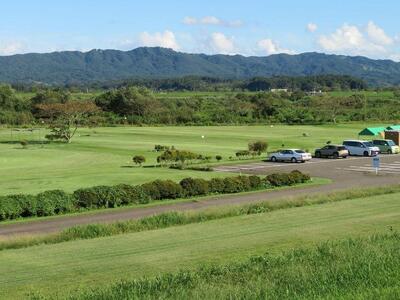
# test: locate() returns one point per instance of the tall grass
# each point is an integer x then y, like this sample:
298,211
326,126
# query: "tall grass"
361,268
174,218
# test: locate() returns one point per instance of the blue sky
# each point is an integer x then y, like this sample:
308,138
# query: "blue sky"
252,27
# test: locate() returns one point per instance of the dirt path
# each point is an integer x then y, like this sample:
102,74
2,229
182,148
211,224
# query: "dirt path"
345,174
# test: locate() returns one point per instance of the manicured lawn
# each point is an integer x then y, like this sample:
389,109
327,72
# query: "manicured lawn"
66,266
103,155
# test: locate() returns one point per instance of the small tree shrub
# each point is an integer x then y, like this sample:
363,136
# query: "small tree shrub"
99,197
258,147
24,144
216,185
194,187
53,202
133,194
218,157
255,182
233,185
139,159
163,189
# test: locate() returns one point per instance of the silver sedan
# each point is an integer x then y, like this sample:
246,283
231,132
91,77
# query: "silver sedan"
292,155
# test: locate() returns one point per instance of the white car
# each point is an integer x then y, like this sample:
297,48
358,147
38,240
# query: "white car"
292,155
361,148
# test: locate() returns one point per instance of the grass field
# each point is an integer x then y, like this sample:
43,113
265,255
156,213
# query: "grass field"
80,264
362,268
103,155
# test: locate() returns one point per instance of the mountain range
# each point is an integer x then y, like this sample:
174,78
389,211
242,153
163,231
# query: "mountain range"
74,67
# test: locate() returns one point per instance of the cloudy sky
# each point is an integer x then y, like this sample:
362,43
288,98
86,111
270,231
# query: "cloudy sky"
254,27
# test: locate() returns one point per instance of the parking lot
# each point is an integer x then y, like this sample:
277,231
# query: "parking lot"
351,168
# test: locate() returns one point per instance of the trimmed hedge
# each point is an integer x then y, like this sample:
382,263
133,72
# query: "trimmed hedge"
58,202
194,187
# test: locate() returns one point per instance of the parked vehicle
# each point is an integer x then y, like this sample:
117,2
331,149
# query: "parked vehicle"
362,148
292,155
334,151
386,146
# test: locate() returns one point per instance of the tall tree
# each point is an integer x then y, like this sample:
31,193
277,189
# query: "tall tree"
65,118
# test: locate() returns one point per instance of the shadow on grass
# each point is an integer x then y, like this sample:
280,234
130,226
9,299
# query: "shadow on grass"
32,142
144,167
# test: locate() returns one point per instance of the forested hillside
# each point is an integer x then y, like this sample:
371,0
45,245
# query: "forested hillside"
68,67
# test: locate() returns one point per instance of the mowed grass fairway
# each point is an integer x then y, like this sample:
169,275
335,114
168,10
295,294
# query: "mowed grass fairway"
103,156
97,262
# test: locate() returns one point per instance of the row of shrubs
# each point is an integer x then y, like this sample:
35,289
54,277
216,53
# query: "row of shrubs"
58,202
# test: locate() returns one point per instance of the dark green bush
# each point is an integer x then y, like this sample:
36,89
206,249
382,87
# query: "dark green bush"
25,205
9,208
194,187
233,185
285,179
255,182
216,185
133,194
53,202
151,190
99,197
163,189
299,177
245,183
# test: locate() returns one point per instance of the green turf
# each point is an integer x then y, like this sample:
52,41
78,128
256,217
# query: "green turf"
103,155
100,261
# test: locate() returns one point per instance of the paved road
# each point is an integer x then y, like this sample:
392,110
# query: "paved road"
347,173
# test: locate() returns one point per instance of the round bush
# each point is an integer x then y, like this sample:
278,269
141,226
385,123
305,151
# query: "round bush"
255,182
194,187
133,194
98,197
216,185
53,202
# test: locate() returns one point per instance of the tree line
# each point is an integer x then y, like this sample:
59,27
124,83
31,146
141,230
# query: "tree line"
204,83
134,105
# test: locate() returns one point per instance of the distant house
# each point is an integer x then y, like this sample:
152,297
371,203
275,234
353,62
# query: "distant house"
372,131
278,90
315,93
393,127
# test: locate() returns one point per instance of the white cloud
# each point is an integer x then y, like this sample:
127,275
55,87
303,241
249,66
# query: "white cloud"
312,27
344,38
165,39
211,20
10,48
219,43
349,39
269,47
378,35
189,21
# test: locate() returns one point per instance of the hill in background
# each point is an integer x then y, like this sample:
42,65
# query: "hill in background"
73,67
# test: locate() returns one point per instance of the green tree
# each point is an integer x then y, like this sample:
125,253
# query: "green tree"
139,159
258,147
66,118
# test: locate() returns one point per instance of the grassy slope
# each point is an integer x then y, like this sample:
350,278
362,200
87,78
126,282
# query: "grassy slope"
363,268
99,261
103,155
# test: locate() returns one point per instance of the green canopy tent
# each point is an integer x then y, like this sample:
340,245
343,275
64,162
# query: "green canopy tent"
393,127
372,131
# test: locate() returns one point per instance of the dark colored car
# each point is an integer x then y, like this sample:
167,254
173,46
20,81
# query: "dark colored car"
334,151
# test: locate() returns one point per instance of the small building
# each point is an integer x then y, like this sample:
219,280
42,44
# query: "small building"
278,90
315,93
393,135
373,131
393,127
